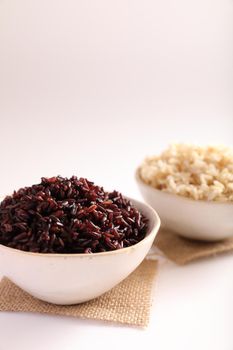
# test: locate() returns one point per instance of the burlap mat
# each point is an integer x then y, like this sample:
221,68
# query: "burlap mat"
128,303
182,250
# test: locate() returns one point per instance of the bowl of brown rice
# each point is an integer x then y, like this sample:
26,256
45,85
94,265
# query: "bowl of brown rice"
191,187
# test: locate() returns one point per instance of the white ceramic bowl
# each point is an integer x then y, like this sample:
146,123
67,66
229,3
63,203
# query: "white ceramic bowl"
195,219
75,278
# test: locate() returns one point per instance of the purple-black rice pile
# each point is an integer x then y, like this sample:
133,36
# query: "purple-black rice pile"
62,215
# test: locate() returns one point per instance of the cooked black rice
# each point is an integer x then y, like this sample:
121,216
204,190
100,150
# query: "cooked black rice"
62,215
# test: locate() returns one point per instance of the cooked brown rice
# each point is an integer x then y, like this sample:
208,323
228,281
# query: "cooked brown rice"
202,173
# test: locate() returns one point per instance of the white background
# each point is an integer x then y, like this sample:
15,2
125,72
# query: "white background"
92,87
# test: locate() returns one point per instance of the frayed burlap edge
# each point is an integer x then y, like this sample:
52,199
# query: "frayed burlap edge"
182,250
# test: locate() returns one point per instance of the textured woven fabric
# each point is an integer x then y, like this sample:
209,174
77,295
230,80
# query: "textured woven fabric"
127,303
182,250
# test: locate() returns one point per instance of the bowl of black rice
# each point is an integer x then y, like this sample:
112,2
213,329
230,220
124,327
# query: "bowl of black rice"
67,240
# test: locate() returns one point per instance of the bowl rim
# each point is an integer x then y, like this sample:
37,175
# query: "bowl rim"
153,230
179,197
